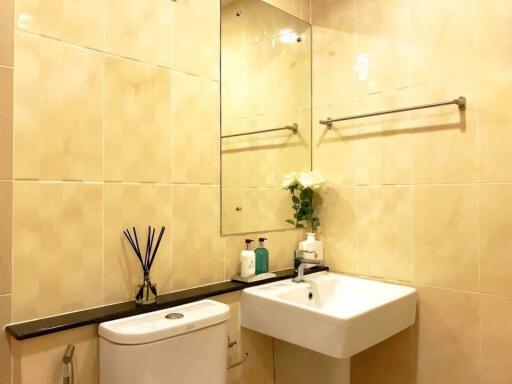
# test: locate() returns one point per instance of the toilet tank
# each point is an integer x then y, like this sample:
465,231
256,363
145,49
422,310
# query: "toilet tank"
185,345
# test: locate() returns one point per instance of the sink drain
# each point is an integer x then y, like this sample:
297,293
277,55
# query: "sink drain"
174,316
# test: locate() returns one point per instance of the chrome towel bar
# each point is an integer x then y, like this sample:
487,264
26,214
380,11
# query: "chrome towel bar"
460,102
294,128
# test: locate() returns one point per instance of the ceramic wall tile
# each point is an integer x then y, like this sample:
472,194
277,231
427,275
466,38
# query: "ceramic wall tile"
384,232
127,206
377,140
334,148
57,248
496,316
6,120
382,45
495,126
195,121
447,337
259,369
495,220
197,249
5,236
60,136
389,362
334,59
196,38
448,29
40,359
137,122
6,31
494,18
445,236
5,353
81,22
140,30
337,210
444,139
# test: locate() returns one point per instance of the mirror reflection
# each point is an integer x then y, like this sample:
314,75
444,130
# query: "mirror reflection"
266,112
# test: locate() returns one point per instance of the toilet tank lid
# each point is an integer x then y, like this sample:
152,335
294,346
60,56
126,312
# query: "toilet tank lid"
163,324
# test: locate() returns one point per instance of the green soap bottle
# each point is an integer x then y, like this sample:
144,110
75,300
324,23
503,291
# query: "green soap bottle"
261,257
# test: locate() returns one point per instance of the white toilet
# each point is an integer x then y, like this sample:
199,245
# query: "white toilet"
185,345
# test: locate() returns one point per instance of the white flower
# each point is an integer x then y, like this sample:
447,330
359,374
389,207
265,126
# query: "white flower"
313,180
290,179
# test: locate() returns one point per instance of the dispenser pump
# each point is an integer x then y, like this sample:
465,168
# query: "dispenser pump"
248,243
262,241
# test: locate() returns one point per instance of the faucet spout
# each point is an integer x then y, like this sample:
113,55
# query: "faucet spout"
299,256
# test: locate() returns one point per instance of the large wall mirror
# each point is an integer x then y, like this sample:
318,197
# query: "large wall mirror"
266,112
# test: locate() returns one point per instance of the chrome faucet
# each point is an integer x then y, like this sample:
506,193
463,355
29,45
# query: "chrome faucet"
299,256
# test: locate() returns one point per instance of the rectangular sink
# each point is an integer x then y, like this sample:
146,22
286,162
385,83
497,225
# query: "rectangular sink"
329,313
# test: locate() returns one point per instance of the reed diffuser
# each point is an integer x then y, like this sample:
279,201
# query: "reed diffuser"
146,292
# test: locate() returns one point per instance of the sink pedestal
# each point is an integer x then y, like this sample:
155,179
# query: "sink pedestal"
296,365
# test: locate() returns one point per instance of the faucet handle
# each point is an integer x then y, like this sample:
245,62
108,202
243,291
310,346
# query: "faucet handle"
310,259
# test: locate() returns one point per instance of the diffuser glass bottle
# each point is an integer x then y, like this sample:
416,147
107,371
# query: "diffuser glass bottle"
146,292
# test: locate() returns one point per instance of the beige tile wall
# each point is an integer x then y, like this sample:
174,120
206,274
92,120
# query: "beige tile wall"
421,198
115,125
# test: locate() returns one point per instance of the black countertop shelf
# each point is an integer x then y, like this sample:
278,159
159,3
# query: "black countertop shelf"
53,324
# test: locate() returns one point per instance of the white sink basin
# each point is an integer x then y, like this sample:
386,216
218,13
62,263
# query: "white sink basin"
333,314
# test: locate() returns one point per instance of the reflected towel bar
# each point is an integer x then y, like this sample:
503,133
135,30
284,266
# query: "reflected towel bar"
460,102
294,128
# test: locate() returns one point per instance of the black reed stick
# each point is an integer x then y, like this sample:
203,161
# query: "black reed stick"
137,252
156,246
150,254
137,242
148,250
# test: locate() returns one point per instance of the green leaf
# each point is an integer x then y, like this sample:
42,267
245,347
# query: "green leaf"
305,203
289,221
295,199
299,226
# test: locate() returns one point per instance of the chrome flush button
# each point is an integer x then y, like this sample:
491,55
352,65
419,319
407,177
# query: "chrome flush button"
174,316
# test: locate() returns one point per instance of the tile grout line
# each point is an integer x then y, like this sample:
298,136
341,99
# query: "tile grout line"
477,121
113,55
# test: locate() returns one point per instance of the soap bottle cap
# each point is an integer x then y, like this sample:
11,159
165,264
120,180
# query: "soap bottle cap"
261,240
248,243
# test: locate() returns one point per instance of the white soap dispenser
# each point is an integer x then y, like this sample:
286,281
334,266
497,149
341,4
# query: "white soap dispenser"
248,260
